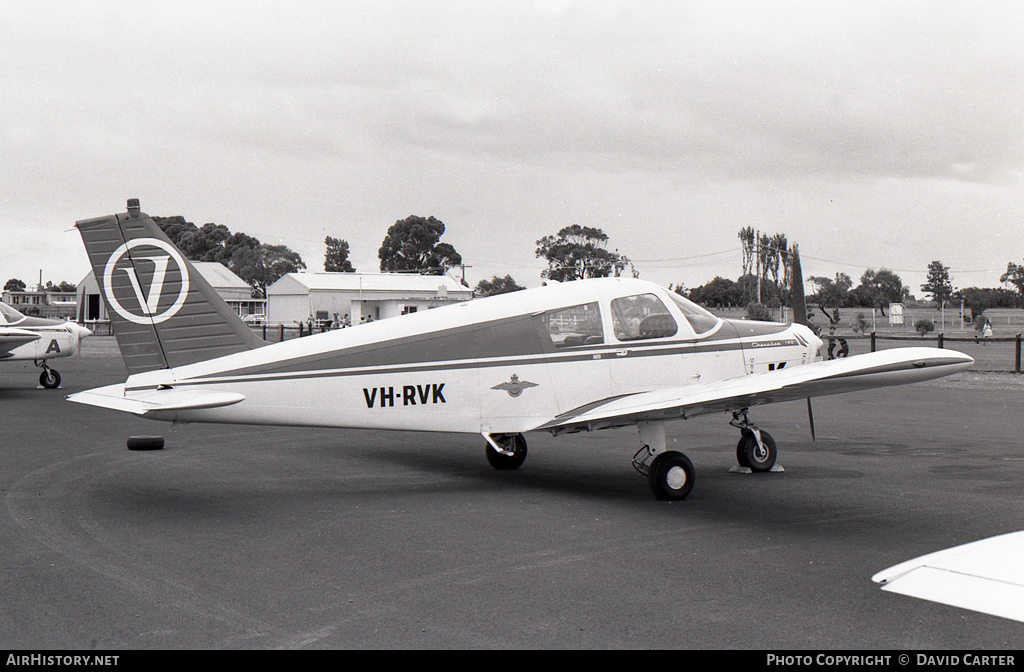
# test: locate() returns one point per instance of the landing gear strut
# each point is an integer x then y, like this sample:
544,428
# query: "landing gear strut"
49,378
669,473
756,449
505,451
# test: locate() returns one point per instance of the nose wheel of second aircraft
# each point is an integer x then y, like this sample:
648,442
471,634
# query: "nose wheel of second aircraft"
49,378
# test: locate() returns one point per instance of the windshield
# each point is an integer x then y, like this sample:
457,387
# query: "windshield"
701,320
10,314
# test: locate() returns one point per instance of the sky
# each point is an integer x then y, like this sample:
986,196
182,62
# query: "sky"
872,134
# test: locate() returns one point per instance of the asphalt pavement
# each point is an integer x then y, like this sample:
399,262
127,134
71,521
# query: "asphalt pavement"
236,537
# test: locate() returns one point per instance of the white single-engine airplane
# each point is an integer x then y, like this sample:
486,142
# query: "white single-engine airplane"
39,339
563,358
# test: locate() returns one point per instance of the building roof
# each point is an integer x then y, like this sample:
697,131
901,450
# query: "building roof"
376,282
219,275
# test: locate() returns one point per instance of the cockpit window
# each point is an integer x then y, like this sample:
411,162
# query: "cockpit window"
701,320
641,317
574,326
10,315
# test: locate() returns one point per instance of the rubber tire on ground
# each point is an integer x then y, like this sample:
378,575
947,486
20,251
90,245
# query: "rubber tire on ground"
506,462
747,452
671,476
145,442
49,379
741,449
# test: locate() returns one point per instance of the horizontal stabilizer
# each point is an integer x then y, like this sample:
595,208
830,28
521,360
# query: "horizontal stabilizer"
986,576
154,401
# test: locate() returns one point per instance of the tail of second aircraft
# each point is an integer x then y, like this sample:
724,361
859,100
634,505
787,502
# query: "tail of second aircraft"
164,313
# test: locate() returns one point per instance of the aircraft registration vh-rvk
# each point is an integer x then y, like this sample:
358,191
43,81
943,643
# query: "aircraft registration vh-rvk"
38,339
563,358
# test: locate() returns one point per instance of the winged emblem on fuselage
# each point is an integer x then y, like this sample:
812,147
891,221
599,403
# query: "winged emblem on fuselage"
514,387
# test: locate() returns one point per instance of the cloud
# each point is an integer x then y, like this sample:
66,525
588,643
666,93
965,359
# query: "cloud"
495,111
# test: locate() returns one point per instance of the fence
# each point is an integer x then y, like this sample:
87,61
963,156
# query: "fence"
282,332
271,332
99,327
998,353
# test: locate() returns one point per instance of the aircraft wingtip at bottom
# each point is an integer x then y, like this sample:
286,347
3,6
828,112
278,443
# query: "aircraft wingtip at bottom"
982,576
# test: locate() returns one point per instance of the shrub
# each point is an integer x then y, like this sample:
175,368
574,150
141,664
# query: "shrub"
979,322
924,326
860,323
757,311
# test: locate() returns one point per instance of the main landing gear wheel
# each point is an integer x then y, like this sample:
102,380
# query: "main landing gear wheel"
753,456
671,476
514,444
49,379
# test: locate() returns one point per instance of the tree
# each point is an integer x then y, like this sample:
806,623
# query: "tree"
938,284
978,299
768,255
14,285
336,258
258,264
264,265
879,289
831,294
746,236
578,252
1014,276
496,285
720,292
64,286
412,244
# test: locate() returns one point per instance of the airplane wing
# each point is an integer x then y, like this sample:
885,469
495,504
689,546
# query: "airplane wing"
10,338
877,369
985,576
154,401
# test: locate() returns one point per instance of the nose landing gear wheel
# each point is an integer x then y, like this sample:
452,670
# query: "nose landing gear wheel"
753,456
671,476
49,379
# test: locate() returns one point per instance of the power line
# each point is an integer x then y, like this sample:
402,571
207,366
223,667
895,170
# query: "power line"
696,256
900,270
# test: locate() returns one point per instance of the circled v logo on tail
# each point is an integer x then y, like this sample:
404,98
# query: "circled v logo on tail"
148,303
515,386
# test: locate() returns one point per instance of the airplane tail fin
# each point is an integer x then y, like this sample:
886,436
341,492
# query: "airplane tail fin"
796,294
164,313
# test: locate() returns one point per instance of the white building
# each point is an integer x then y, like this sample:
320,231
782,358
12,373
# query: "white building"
298,297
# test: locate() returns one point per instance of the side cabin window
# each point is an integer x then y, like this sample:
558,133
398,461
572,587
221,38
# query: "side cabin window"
641,317
574,326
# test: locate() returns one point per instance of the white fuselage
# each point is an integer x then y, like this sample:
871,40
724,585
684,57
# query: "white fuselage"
502,364
57,340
